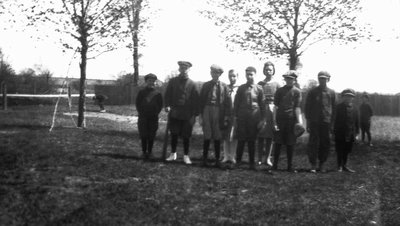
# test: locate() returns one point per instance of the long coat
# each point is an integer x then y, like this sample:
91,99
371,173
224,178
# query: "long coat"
347,124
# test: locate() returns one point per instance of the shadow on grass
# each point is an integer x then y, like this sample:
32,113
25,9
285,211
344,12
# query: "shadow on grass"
24,126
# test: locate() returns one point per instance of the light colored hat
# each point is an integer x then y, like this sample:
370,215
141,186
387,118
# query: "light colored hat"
290,74
184,63
348,92
217,68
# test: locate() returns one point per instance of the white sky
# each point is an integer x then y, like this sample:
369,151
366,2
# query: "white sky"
180,33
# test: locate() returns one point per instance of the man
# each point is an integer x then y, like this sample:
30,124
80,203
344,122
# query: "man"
266,133
320,113
215,111
366,113
148,104
230,141
99,99
249,110
286,115
181,101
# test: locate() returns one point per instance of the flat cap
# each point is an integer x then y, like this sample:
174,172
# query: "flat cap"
324,74
216,68
290,74
251,68
348,92
150,76
184,63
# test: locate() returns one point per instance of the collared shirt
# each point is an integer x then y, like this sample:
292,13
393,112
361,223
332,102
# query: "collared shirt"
269,89
249,97
213,98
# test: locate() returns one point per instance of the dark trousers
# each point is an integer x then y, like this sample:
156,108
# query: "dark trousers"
217,148
365,129
174,144
318,143
240,149
277,153
147,145
343,148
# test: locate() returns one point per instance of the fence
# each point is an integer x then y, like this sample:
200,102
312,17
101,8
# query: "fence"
382,105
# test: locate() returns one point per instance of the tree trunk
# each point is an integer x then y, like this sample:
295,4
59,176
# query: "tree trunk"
136,21
293,59
82,84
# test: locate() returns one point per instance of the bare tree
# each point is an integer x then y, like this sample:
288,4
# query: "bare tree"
286,27
89,27
137,14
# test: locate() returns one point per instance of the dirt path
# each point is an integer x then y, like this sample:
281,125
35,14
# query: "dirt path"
110,116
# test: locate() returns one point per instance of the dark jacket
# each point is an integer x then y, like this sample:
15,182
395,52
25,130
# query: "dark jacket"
366,112
183,98
346,125
225,101
149,102
320,105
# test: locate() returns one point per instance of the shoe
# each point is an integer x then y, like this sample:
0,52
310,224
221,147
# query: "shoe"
290,170
370,144
102,111
224,160
259,162
340,169
172,157
313,171
186,160
348,169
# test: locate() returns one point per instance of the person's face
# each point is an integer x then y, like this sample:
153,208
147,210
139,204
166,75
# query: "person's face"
268,72
183,69
150,83
364,100
323,81
289,81
250,76
232,78
215,75
348,99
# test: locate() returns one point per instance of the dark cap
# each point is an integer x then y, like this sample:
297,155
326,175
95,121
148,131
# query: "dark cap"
290,74
217,68
251,68
324,74
366,95
150,76
185,63
348,92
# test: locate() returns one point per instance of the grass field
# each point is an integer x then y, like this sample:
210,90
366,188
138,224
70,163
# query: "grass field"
94,176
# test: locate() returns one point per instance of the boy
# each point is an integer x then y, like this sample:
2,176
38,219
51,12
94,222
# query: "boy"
365,118
148,104
286,115
320,111
230,142
99,99
215,111
249,110
181,101
346,129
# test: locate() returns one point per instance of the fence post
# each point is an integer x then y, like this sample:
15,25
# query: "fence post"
4,90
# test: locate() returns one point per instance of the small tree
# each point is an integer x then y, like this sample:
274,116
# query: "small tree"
286,27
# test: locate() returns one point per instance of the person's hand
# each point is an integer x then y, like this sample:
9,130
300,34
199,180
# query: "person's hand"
308,127
167,109
276,127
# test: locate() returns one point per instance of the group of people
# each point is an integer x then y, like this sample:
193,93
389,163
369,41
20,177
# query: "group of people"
263,115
